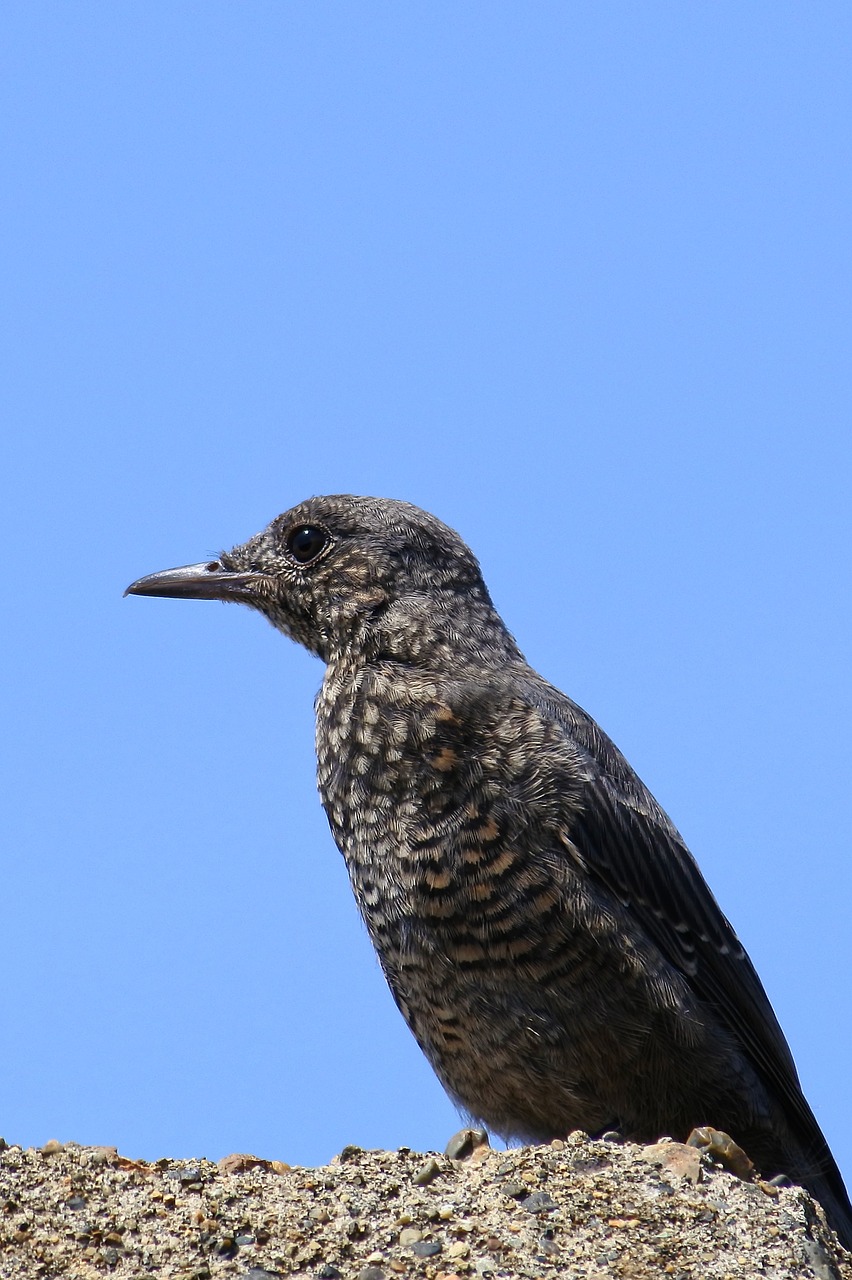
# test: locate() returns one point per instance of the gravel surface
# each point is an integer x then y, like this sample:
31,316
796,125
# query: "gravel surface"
576,1208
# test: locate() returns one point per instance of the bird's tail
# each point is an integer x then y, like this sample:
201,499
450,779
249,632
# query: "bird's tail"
795,1146
827,1188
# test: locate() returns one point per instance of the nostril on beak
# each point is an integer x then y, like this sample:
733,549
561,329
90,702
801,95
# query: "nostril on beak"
213,567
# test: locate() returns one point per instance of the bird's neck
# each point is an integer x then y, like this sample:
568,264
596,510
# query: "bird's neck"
432,633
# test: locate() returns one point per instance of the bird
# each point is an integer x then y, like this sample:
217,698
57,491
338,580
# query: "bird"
545,932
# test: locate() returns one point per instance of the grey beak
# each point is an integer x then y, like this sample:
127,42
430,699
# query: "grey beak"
196,582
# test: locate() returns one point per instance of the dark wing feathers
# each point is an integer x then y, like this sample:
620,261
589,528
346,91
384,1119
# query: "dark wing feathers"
629,845
655,875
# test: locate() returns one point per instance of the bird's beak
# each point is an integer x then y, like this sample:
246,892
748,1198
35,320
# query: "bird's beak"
208,581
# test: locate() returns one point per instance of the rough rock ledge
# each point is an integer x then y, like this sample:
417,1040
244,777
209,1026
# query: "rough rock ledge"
578,1208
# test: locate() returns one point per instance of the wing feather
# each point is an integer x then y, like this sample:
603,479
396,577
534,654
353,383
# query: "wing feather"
627,842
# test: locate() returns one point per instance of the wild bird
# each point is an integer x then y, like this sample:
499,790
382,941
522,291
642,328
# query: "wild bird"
545,932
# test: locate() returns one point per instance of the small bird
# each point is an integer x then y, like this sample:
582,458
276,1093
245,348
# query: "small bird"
545,932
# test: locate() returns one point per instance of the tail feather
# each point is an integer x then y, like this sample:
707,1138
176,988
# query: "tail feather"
827,1188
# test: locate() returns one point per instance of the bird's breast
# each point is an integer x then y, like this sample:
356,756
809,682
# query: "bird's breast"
421,798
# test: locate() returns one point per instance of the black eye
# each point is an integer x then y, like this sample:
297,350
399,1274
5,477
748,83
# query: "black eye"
305,542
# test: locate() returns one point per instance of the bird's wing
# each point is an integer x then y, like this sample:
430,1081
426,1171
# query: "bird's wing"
625,841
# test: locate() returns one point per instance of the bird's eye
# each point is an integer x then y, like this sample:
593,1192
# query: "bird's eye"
305,542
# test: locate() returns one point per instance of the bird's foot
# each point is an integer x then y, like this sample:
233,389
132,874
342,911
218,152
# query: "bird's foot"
721,1146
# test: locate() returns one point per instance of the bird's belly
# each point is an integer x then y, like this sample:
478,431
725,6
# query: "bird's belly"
536,997
532,1038
504,1049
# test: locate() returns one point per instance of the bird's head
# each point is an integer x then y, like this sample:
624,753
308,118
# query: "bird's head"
333,570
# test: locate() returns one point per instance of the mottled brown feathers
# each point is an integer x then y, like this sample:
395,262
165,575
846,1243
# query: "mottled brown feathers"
544,930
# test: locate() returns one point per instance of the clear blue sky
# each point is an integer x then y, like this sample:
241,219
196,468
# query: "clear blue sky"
575,277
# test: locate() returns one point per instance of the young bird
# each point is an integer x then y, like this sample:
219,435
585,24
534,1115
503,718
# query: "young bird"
545,932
